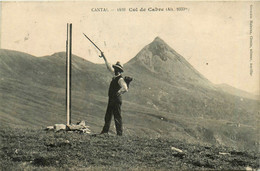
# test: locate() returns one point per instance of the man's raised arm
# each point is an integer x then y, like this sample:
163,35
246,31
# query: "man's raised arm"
109,66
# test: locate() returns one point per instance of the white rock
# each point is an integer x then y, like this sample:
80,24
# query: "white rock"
75,127
58,127
224,153
82,123
86,131
248,168
176,149
49,128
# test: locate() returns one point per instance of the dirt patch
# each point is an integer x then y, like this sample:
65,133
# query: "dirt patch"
48,161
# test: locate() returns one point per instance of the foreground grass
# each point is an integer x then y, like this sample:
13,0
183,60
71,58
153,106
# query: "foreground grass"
28,149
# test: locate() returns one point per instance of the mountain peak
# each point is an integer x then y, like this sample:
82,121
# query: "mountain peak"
159,57
160,44
156,51
158,39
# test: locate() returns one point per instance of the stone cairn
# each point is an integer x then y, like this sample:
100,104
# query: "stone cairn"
79,127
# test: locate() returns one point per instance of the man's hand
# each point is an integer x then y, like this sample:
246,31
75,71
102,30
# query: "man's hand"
118,94
102,55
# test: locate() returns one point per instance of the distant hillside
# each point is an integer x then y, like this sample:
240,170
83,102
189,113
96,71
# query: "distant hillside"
167,97
33,89
237,92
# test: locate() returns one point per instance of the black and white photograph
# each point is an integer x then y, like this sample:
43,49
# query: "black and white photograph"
129,85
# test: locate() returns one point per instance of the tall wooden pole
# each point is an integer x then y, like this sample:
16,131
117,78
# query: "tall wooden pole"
68,72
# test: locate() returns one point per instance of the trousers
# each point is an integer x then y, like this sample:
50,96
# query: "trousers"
113,109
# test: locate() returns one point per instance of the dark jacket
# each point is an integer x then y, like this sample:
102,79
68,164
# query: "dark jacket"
114,87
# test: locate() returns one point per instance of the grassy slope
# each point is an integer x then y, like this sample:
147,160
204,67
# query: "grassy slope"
36,149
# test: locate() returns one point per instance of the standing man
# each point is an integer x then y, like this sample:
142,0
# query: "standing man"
117,87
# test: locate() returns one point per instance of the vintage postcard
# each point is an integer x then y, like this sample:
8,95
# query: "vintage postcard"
128,85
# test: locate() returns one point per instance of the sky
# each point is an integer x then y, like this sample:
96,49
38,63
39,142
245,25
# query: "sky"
214,37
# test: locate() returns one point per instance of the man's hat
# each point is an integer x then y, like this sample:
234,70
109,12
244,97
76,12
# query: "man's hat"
119,66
